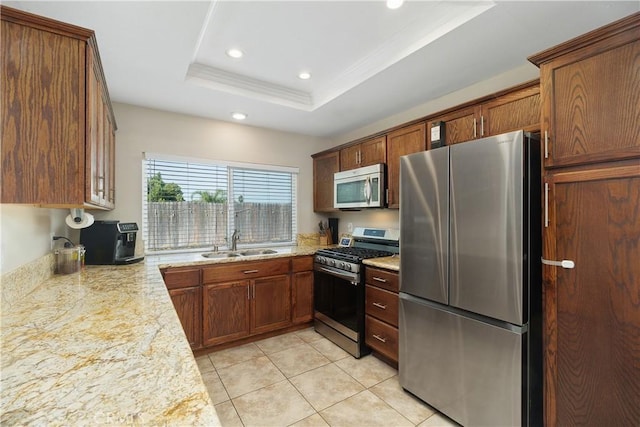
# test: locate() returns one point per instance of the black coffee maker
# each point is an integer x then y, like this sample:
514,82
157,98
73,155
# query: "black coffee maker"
110,242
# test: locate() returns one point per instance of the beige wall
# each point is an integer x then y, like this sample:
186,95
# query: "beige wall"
145,130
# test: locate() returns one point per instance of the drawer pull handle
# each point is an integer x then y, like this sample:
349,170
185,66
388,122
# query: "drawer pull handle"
379,279
382,306
380,338
250,271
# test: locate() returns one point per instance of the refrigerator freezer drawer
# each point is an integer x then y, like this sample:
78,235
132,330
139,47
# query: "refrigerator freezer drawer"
469,370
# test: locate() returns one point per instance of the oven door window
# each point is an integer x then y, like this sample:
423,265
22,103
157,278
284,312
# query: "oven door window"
337,299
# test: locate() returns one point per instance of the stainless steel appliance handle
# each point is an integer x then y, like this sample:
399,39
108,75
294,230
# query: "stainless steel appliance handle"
367,190
565,263
351,278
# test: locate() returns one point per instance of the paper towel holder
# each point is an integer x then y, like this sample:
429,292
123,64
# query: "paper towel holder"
78,218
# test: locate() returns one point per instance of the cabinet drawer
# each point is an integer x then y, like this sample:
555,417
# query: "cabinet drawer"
181,278
244,270
382,279
382,304
304,263
381,337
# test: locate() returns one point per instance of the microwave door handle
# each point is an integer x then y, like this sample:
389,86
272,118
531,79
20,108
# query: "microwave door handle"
367,190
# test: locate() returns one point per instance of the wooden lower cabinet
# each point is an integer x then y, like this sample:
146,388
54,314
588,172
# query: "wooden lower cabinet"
226,312
270,303
302,289
592,311
381,312
187,302
225,302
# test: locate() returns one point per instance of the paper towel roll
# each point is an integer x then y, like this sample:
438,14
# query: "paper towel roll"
78,218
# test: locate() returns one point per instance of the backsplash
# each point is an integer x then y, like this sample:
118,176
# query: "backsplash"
18,283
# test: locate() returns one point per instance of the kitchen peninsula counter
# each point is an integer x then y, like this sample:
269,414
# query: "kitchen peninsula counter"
100,347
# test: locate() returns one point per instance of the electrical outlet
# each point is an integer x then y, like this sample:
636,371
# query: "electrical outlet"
350,227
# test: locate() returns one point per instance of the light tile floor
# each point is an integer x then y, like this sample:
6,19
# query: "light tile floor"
302,379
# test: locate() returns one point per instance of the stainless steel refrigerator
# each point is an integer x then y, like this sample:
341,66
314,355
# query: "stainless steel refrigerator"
470,280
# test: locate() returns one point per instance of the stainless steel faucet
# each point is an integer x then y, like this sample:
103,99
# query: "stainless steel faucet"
234,239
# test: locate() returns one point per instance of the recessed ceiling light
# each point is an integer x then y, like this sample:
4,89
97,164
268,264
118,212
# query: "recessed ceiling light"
235,53
394,4
304,76
239,116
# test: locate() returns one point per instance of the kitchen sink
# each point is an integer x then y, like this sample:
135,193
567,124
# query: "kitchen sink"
221,255
249,252
258,252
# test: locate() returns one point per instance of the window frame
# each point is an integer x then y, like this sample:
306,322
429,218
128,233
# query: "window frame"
230,166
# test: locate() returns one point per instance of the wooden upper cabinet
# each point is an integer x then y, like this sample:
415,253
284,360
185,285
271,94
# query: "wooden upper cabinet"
460,125
400,142
591,95
324,166
370,152
514,109
53,137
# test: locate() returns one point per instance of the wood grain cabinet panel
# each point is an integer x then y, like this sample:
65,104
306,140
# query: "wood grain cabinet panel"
187,302
271,303
181,277
302,288
370,152
226,312
324,166
400,142
592,312
590,101
591,96
381,312
57,124
511,112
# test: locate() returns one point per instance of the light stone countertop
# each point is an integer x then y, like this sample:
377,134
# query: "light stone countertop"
100,347
105,346
388,262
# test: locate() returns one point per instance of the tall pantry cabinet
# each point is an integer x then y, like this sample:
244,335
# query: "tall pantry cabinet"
58,128
590,102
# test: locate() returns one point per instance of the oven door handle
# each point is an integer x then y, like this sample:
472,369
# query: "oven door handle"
345,276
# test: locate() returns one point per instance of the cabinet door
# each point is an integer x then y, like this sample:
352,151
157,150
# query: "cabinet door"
514,111
187,304
226,312
592,312
460,125
591,102
94,142
324,167
407,140
302,288
271,303
42,98
373,151
349,157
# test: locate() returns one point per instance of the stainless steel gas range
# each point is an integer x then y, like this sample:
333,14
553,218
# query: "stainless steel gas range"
339,286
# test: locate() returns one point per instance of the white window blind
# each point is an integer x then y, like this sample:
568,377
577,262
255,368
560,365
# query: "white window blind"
189,204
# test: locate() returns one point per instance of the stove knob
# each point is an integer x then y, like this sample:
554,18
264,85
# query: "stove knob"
322,260
347,267
332,262
343,265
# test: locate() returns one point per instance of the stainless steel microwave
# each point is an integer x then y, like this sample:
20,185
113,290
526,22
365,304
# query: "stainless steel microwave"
359,188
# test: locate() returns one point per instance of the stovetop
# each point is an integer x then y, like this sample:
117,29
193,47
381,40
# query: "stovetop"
353,254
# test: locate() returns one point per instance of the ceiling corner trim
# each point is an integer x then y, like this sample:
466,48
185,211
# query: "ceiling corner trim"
218,79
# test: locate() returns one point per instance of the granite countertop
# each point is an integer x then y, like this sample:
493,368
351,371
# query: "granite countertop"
105,346
388,262
100,347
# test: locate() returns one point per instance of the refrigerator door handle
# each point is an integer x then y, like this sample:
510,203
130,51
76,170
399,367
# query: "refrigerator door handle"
565,263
